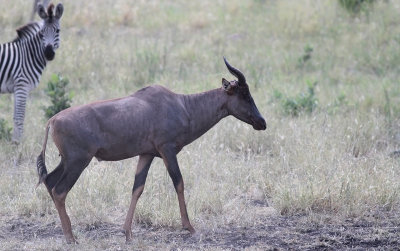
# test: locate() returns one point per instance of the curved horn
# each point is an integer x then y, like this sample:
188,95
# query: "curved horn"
235,72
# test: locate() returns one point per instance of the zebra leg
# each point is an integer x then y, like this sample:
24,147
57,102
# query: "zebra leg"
20,97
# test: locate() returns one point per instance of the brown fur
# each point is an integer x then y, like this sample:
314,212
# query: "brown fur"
50,9
153,122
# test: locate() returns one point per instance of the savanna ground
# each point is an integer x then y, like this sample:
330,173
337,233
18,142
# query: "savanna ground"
322,179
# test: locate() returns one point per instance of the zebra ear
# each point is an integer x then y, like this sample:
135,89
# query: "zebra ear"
41,11
59,10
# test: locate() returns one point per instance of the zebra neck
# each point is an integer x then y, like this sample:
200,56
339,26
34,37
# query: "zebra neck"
28,31
35,61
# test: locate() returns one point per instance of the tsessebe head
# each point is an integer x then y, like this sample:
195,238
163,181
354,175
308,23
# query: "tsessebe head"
240,102
50,31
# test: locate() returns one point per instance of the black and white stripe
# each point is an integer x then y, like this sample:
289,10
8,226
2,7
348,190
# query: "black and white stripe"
23,60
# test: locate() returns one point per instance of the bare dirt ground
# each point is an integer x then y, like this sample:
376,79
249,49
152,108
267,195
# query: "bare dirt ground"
379,230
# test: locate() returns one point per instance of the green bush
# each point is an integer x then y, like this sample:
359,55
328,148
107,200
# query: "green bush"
60,99
5,130
306,56
303,102
355,6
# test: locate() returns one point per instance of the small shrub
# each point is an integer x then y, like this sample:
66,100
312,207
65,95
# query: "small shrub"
5,130
306,56
338,105
356,6
60,99
303,102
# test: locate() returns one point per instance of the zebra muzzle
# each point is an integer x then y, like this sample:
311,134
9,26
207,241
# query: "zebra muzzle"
49,52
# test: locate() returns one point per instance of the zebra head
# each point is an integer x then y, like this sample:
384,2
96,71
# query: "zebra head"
50,31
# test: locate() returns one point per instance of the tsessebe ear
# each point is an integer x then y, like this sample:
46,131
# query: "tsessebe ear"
227,86
59,11
41,11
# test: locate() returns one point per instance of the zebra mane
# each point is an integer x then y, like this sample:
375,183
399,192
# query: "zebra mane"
27,31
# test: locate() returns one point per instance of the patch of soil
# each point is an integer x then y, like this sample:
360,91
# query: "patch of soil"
270,232
28,228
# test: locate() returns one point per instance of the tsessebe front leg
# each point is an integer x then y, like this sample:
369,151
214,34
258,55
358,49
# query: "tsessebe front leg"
168,154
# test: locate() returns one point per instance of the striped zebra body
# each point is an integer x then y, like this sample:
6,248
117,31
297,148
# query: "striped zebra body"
23,60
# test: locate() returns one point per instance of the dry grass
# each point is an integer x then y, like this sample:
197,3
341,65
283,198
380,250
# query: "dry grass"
334,161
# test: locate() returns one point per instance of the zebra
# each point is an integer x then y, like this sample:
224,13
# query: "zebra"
23,60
